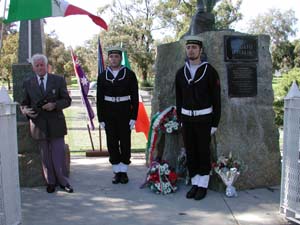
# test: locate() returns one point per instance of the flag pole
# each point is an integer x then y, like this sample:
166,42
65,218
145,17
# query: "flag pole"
29,40
90,135
84,98
2,28
100,139
100,70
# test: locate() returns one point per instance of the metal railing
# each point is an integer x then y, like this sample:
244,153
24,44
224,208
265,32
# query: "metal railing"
290,179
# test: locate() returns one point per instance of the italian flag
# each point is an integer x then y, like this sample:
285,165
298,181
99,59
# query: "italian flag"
37,9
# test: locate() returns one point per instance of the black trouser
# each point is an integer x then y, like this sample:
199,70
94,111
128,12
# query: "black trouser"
196,137
118,137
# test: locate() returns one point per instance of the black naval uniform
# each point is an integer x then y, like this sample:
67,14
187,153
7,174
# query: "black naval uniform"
117,104
198,105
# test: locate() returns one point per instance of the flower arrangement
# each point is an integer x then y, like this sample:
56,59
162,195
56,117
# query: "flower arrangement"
229,170
161,122
161,179
168,123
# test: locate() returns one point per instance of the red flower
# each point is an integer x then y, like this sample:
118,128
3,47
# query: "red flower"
172,177
153,177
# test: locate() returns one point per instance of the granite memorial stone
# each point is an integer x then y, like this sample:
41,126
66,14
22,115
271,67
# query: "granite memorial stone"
247,127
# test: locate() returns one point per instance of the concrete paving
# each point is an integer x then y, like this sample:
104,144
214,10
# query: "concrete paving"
96,201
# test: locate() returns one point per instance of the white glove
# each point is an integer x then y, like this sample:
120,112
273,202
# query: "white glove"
102,125
131,124
28,111
213,130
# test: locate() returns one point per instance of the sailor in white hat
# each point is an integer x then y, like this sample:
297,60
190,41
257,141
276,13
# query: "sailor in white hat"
117,107
198,104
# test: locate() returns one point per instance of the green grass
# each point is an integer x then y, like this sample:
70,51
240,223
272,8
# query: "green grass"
78,136
74,83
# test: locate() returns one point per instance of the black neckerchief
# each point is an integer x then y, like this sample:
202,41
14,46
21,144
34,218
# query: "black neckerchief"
187,73
110,70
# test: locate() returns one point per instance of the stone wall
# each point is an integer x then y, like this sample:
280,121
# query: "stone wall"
247,127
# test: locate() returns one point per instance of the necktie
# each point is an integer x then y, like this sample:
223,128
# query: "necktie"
42,87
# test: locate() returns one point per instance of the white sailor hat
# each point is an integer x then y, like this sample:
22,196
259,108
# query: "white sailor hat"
192,39
115,50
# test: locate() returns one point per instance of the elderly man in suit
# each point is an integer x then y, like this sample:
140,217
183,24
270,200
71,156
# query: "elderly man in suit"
45,95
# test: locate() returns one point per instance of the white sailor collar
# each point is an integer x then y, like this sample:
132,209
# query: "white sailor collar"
188,75
118,76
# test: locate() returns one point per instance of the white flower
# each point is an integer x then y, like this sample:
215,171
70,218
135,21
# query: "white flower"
169,130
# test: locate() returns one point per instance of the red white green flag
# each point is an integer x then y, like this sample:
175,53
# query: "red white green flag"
37,9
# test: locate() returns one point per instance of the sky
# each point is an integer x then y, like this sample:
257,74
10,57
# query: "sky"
75,30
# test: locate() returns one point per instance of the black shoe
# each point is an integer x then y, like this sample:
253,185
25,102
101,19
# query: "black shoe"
192,192
50,188
68,188
201,193
124,178
117,178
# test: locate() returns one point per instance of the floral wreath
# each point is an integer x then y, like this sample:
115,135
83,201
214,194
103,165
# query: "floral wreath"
161,122
161,179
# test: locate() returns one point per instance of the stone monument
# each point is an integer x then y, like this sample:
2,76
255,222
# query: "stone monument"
247,127
10,201
29,155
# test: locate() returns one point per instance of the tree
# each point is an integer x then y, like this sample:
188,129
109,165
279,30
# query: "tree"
177,14
227,13
281,90
8,57
57,54
283,56
131,26
88,57
297,53
279,25
61,61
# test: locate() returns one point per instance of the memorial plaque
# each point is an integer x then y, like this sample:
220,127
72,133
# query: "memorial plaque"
242,80
240,48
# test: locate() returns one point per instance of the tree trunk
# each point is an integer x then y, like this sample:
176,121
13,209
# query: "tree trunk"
8,84
144,76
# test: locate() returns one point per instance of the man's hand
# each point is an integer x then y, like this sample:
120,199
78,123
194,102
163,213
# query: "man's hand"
49,106
27,111
213,130
102,125
131,124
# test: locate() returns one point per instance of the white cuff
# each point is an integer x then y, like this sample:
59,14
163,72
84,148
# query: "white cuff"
195,179
213,130
131,124
203,181
116,168
102,125
123,167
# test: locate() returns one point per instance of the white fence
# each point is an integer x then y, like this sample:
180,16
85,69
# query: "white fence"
10,203
290,179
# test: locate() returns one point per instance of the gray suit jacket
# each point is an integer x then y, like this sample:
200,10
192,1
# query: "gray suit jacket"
47,124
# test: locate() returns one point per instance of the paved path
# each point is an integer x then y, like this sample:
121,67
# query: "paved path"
97,201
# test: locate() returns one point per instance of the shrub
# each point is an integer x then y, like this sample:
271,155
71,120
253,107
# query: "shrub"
280,91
